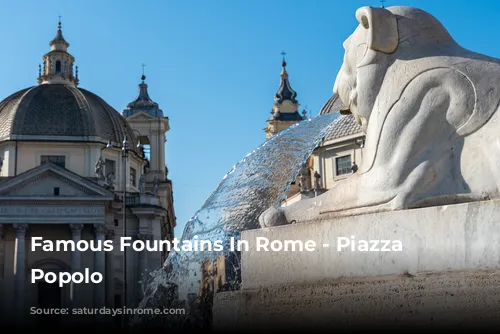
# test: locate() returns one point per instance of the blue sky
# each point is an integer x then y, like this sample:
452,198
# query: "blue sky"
213,66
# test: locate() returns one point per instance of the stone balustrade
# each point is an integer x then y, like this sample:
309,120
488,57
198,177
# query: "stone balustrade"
138,198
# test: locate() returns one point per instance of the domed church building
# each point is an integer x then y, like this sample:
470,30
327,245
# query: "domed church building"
66,160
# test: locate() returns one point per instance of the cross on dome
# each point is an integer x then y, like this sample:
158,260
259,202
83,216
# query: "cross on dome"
283,63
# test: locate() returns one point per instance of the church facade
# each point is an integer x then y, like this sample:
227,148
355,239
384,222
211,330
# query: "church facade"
74,168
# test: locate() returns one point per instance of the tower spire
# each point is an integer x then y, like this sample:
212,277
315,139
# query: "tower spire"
285,109
59,43
143,103
285,91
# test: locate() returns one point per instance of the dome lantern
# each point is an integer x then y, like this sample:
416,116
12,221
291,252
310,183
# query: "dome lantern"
58,63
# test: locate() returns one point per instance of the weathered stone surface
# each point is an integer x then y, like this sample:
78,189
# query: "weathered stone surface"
448,272
429,110
459,236
456,299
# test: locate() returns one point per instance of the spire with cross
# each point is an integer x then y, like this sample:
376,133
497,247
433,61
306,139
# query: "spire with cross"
143,77
382,2
143,102
59,37
285,91
285,110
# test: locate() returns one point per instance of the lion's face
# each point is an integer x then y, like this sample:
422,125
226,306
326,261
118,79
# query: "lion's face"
366,60
346,82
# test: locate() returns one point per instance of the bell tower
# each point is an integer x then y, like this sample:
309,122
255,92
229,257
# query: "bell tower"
150,126
145,116
285,110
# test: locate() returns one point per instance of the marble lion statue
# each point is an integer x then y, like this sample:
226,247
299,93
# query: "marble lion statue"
428,107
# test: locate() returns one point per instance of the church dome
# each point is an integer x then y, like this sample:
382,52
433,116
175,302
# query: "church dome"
62,112
58,110
334,104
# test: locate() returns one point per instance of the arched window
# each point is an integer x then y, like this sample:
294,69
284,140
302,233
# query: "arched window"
58,67
147,151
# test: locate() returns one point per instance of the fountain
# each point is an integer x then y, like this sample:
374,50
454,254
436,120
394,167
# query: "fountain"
428,182
254,184
426,197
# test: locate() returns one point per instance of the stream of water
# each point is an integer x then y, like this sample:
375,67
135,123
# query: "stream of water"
254,184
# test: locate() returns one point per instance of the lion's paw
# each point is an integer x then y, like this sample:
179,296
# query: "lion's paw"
273,217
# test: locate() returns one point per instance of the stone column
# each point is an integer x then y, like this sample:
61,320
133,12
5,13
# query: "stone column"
163,161
100,266
110,270
153,164
143,261
76,263
20,269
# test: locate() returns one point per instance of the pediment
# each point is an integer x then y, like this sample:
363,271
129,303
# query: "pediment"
141,116
40,182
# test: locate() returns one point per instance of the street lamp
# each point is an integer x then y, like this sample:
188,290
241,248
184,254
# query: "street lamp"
124,155
125,149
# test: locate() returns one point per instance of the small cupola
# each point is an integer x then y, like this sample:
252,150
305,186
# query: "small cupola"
143,103
58,63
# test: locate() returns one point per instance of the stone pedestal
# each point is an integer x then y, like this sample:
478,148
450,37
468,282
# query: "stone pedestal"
450,299
446,274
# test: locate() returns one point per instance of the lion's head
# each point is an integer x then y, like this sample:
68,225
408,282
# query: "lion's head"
430,111
381,37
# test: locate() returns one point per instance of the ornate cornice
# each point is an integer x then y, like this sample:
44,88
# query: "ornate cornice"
49,202
147,210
